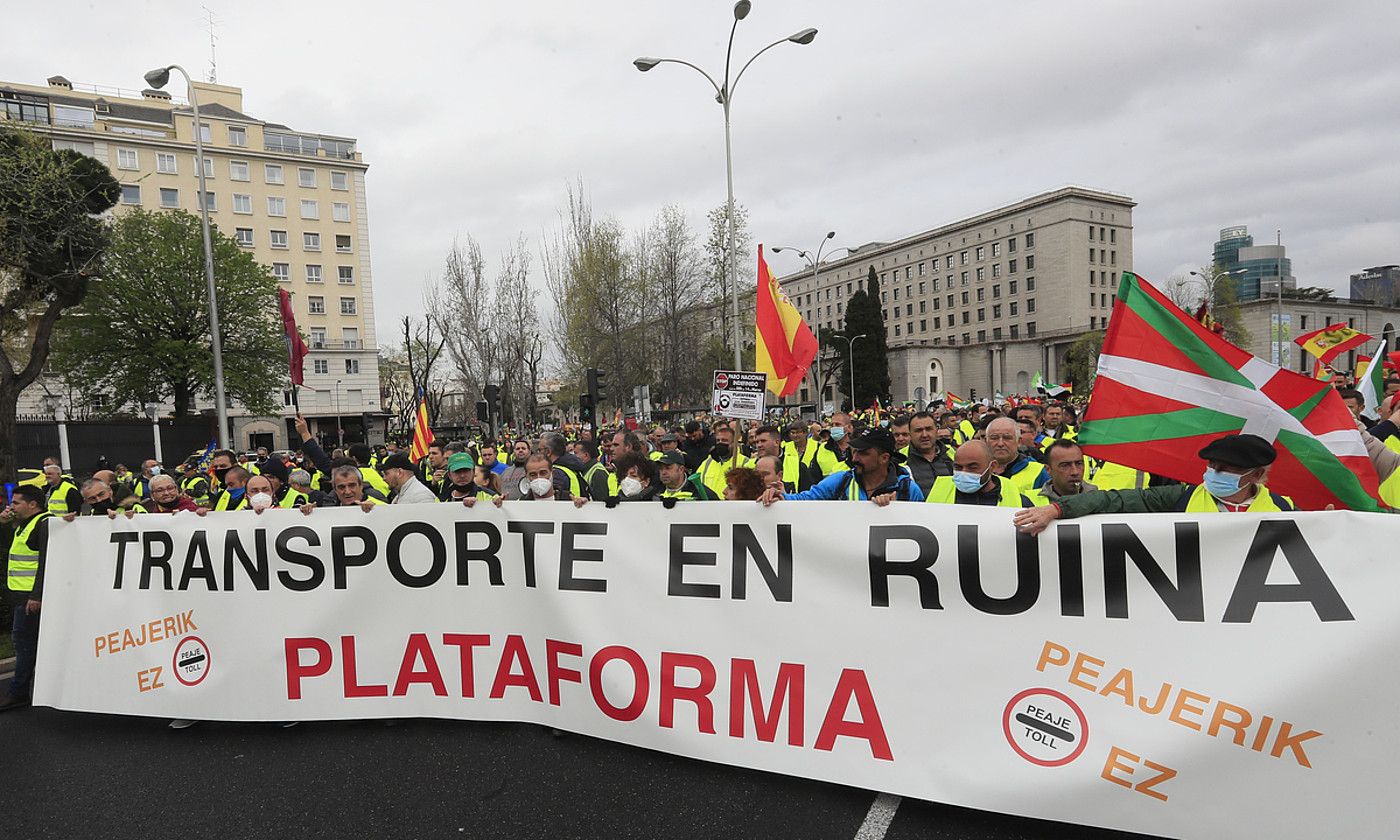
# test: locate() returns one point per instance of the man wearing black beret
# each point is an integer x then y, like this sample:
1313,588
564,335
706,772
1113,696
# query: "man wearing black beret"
1233,481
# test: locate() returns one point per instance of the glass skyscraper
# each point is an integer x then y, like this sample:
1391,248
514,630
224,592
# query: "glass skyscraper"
1263,265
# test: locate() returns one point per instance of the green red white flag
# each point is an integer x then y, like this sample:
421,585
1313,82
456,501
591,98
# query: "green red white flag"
1167,386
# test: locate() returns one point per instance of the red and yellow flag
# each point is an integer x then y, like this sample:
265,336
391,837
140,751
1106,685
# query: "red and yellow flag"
785,346
1331,341
422,431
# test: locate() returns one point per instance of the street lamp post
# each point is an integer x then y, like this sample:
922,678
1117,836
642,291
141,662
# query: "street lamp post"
724,94
153,412
158,78
339,428
851,350
815,264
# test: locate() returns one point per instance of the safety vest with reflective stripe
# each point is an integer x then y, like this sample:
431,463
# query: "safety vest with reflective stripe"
1111,476
198,493
712,473
58,498
945,492
1028,476
1390,490
224,502
24,561
1201,501
576,484
593,470
371,476
793,464
290,498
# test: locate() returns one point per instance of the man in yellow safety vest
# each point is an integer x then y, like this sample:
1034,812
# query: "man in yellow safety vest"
24,585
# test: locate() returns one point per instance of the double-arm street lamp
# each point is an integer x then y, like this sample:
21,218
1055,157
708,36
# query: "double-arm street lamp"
851,349
158,78
724,94
815,263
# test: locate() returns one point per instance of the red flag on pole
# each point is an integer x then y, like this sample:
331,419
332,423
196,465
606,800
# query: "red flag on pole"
296,348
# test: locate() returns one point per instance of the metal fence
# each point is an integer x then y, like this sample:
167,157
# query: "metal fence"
120,441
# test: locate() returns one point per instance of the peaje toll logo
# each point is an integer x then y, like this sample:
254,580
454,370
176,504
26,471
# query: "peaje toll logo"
191,663
1045,727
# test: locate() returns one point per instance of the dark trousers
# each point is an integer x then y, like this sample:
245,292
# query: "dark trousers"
25,634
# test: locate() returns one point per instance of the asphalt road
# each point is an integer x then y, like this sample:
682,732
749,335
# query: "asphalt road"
78,775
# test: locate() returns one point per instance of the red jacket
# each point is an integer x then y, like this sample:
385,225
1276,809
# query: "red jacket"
181,503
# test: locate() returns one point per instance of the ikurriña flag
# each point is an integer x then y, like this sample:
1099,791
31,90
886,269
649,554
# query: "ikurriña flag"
784,346
1167,386
422,430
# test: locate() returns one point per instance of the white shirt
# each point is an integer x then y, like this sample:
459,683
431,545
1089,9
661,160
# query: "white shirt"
414,492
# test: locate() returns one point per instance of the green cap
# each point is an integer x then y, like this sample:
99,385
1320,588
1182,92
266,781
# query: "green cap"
460,461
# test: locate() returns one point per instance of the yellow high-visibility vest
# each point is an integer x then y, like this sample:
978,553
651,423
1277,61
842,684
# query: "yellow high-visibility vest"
24,561
945,492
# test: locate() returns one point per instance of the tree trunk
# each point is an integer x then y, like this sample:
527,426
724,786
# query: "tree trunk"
9,402
184,396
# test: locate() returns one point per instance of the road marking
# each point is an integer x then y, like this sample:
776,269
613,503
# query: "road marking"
879,817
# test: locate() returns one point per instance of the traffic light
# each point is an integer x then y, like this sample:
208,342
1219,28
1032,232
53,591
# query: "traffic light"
597,388
972,394
483,411
585,409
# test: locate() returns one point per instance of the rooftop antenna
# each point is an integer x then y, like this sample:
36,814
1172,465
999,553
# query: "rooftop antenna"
213,57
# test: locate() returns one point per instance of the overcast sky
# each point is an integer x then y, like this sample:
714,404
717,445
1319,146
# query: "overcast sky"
903,114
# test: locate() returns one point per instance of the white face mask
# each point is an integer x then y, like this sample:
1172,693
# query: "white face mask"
630,487
541,486
260,501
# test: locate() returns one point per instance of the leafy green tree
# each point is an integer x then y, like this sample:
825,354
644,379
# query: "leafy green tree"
52,240
142,333
1082,361
865,317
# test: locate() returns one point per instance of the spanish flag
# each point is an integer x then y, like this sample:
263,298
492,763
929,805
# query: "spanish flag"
422,431
785,346
1332,341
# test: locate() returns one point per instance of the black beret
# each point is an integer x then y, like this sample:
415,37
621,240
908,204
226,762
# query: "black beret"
1248,451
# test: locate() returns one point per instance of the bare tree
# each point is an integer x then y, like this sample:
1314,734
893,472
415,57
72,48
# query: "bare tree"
675,289
423,344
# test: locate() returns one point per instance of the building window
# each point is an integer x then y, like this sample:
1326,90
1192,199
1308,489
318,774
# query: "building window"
981,273
962,258
896,293
342,243
1112,235
350,337
237,135
211,201
315,304
981,315
242,203
352,365
1030,263
1030,329
313,274
204,135
278,238
1091,255
1030,240
996,269
896,326
306,177
311,241
964,278
1091,233
244,236
310,209
981,295
276,205
208,167
948,261
967,338
1102,255
1015,330
996,291
923,306
1011,287
1011,245
340,211
340,181
1112,255
996,249
346,274
272,173
1030,284
1011,266
981,252
347,306
1030,306
996,333
131,193
321,365
964,298
238,170
937,322
318,338
165,163
996,311
282,271
981,335
1013,309
921,269
169,197
128,159
923,324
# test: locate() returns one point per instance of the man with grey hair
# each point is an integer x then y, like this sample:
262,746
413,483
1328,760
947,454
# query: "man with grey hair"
568,469
63,495
1003,437
165,496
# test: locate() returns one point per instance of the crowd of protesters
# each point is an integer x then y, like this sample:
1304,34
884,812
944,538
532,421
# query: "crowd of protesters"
1020,454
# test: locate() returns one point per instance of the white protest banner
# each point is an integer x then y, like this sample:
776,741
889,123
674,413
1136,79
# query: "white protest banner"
1192,676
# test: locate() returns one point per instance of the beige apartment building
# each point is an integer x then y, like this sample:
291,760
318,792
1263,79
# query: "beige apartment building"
295,200
983,303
